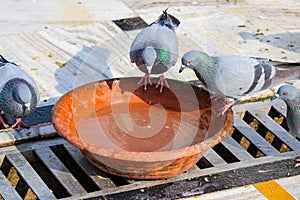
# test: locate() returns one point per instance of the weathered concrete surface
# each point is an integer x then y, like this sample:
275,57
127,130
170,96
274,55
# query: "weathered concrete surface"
64,44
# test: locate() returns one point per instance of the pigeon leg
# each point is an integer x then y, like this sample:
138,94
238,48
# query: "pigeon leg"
161,82
297,162
146,80
2,121
227,106
19,123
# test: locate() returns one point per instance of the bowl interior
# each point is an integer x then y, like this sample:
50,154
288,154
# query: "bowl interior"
119,115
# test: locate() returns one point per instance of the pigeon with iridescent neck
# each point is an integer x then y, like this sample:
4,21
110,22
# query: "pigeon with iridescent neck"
291,96
18,93
233,76
155,49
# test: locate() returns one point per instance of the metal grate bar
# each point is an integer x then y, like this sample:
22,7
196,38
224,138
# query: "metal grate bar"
30,176
265,147
280,107
59,170
7,191
214,158
96,175
235,148
276,129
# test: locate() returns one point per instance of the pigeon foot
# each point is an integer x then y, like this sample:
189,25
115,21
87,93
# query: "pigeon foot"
2,121
227,106
162,81
146,80
19,124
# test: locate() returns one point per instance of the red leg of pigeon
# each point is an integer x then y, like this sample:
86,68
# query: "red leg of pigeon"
2,121
161,82
297,162
227,106
146,80
19,123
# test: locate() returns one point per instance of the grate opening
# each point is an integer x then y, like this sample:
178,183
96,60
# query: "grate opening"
64,156
246,144
225,153
57,188
117,180
203,163
278,117
266,133
16,180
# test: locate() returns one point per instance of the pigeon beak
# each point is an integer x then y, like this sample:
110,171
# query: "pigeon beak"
182,68
27,106
275,97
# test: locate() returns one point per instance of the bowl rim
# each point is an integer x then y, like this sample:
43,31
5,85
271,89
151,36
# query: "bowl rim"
190,150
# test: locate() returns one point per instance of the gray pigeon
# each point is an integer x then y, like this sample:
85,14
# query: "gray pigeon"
18,93
155,49
232,76
291,96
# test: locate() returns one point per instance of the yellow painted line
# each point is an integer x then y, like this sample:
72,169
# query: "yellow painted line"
273,191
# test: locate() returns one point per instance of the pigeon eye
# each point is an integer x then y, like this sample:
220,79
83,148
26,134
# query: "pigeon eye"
285,93
189,62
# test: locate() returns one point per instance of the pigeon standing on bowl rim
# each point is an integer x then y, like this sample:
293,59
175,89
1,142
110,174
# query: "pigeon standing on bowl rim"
232,77
155,49
19,93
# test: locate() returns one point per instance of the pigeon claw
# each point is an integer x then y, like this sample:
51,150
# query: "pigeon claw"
162,81
2,121
223,110
19,124
228,105
146,79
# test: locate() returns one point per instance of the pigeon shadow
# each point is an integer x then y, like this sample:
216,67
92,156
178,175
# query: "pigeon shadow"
88,65
287,41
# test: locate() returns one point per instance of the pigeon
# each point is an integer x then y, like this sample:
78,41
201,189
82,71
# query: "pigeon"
233,76
291,96
18,93
155,49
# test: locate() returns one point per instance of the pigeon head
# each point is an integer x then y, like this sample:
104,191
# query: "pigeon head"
18,98
287,93
168,20
194,60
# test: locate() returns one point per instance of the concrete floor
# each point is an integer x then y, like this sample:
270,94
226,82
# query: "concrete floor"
41,35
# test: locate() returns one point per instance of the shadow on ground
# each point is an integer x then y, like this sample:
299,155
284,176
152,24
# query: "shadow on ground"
287,41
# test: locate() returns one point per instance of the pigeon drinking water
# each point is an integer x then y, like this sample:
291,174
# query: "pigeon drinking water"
232,76
155,49
18,93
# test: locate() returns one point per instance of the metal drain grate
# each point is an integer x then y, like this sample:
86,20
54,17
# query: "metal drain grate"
54,169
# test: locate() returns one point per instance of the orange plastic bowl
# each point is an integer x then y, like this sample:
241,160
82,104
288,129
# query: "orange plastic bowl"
139,134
